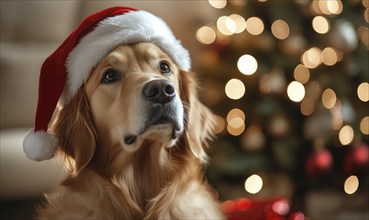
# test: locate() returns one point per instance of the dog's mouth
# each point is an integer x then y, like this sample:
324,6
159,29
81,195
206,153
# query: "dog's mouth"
158,118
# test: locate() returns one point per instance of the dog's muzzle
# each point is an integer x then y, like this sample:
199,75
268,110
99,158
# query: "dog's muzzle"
162,106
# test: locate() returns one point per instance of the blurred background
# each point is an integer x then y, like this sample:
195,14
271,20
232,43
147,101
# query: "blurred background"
287,79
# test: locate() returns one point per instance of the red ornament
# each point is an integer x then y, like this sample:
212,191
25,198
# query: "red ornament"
243,204
319,163
357,160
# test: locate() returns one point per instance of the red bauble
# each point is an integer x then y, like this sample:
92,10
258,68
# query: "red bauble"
319,163
357,160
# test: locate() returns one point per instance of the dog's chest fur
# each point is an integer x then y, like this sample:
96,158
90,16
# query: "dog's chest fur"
141,191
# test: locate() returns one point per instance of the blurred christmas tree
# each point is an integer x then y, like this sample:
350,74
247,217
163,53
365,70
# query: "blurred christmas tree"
289,82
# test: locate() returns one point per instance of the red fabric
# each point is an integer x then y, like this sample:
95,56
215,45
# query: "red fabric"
53,71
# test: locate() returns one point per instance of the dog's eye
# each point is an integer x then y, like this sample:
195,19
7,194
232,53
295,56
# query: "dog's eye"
110,76
164,68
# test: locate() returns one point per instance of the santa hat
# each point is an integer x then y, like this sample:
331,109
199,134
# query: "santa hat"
68,68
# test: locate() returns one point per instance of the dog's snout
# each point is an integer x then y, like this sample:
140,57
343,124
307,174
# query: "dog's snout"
159,91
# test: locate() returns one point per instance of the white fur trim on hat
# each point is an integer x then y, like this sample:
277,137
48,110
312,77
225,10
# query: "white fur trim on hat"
130,28
40,145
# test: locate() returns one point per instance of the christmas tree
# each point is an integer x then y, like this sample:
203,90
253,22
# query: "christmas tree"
288,81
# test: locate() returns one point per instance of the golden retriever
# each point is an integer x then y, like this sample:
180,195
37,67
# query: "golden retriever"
133,138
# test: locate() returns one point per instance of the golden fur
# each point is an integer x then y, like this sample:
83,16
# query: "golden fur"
158,176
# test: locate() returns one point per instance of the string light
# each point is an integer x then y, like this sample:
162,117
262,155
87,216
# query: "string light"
327,7
329,56
365,3
334,6
254,184
307,106
254,25
205,35
218,4
337,117
226,25
346,135
236,127
301,74
235,113
364,125
280,29
235,89
329,98
240,23
351,184
247,64
320,24
219,124
363,91
296,91
363,34
236,122
311,58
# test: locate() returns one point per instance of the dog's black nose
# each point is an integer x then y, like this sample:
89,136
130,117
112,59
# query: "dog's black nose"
159,91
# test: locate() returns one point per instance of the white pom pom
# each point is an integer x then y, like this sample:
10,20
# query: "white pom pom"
40,145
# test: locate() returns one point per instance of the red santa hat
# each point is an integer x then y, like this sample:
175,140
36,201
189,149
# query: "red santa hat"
68,68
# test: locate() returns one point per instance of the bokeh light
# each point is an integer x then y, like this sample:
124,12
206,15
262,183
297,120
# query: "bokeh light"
351,184
334,6
346,135
363,33
364,125
219,124
320,24
254,25
235,113
329,98
226,25
311,58
236,131
329,56
280,29
296,91
307,106
281,207
301,74
236,122
235,89
218,4
337,117
247,64
240,23
253,184
327,7
365,3
363,91
205,35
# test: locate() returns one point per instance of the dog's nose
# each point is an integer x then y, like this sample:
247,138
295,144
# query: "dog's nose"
159,91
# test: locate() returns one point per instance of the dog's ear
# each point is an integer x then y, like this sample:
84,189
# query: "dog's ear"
200,120
75,131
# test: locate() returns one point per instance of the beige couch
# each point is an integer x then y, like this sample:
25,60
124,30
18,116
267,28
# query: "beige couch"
30,31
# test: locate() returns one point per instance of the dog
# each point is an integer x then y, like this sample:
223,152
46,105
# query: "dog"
133,139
